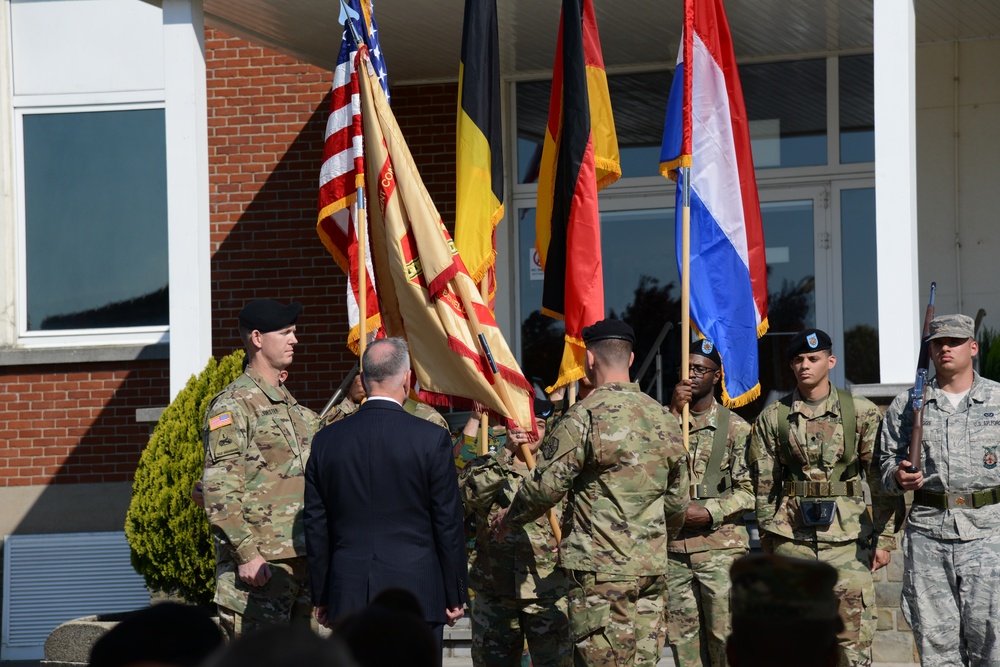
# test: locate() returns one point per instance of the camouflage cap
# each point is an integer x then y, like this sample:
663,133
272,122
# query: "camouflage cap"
808,340
777,587
265,315
952,326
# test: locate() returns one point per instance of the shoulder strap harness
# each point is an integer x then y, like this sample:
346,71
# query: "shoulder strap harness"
845,475
714,483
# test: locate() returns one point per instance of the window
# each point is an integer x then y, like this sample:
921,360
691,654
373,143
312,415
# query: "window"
786,105
90,172
95,220
857,109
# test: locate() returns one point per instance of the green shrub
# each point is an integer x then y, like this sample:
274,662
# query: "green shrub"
989,353
168,533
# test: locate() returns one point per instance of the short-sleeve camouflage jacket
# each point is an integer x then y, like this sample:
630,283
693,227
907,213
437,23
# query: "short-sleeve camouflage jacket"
727,530
523,566
619,456
816,445
256,444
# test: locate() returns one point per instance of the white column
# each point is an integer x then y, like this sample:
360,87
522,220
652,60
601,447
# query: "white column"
896,189
187,190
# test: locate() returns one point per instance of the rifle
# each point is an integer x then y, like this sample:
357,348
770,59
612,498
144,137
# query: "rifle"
918,393
341,390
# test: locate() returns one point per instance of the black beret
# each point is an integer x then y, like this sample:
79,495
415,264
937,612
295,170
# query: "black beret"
265,315
605,329
809,340
544,408
706,348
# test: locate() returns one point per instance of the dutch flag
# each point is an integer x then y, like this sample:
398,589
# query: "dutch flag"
706,129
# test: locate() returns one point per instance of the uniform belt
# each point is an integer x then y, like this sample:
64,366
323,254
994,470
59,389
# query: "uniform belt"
822,489
705,491
950,501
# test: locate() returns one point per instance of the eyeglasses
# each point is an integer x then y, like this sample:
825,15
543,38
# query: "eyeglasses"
698,371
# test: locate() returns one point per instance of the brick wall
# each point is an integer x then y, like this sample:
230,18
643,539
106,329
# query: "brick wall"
75,423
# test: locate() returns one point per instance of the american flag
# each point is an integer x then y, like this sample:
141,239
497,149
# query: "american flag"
342,172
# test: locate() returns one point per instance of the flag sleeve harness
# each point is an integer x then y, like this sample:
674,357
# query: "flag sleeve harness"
845,476
714,483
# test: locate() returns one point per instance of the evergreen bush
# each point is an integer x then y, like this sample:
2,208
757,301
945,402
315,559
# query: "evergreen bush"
168,533
989,354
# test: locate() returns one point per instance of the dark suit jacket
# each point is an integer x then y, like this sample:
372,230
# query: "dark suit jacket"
382,510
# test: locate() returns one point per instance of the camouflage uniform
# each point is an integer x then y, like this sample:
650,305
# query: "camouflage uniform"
520,592
816,445
256,446
345,408
425,412
619,455
952,556
700,558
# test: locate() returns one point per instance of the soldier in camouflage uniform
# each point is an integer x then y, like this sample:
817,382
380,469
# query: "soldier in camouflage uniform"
520,592
256,445
619,456
714,534
807,479
785,612
355,397
952,542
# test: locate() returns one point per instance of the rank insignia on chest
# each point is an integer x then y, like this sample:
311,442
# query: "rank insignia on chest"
990,456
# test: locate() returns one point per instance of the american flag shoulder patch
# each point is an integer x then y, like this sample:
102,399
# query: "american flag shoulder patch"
220,420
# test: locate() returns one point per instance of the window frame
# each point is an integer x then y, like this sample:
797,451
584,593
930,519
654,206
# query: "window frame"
147,335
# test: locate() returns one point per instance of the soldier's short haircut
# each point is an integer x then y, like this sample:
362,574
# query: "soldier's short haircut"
611,351
384,359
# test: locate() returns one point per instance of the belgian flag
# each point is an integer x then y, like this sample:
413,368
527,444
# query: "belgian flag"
479,153
579,158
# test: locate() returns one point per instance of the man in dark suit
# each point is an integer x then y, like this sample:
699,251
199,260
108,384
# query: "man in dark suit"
382,507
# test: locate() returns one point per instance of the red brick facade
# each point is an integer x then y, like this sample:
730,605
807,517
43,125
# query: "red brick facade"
75,423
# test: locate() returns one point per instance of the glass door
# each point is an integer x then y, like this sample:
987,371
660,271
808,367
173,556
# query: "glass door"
797,243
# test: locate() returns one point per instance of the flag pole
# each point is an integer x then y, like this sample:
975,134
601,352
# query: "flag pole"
686,295
501,387
362,228
362,233
484,418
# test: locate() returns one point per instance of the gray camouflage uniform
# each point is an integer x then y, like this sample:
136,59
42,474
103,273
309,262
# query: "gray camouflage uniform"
520,591
700,557
619,456
950,594
256,445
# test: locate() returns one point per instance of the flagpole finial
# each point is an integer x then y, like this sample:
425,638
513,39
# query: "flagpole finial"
347,17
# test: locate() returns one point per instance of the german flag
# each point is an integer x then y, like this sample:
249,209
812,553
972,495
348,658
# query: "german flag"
479,153
579,158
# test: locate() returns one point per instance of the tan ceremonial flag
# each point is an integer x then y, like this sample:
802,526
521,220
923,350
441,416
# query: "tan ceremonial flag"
426,292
